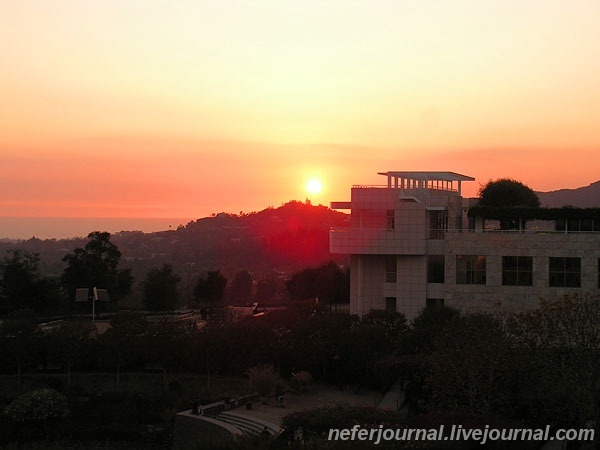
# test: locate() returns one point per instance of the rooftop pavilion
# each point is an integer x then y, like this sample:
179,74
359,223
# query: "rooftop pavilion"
446,181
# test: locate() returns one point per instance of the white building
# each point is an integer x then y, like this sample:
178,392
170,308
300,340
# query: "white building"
413,244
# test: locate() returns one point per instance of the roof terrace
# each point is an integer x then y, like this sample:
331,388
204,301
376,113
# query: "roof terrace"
446,181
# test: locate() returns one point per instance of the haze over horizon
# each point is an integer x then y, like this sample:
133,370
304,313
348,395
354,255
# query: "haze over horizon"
23,228
154,109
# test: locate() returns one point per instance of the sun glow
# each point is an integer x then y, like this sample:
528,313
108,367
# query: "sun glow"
314,186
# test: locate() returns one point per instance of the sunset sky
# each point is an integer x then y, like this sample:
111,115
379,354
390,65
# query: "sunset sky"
148,108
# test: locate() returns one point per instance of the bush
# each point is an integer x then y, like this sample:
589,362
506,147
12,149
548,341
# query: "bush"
39,406
263,379
300,380
318,421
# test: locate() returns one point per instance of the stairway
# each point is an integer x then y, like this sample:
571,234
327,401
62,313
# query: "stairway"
249,426
394,397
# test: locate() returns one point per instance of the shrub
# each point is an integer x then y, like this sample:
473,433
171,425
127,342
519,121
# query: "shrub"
263,379
39,406
300,380
318,421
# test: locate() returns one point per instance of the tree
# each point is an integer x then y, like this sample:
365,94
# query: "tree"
393,325
21,284
211,288
162,344
302,284
328,282
507,192
473,369
240,288
357,349
96,265
70,341
120,343
316,341
160,289
18,339
263,379
266,290
563,338
428,326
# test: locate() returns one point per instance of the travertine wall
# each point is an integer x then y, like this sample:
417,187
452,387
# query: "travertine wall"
495,297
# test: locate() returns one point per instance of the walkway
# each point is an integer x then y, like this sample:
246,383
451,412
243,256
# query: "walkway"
253,421
313,396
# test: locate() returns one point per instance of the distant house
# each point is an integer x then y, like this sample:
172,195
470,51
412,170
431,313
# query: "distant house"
416,242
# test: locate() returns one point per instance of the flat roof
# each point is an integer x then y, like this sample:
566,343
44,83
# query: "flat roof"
443,176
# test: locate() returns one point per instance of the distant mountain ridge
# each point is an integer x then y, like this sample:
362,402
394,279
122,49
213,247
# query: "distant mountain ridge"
583,197
268,243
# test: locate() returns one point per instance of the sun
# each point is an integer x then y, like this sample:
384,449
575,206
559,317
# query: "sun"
314,186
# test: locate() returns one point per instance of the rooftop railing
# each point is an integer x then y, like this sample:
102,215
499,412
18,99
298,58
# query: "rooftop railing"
438,232
385,186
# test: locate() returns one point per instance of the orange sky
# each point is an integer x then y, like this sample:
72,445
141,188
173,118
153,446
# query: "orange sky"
181,109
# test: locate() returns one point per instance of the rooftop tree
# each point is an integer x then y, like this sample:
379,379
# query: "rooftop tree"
506,192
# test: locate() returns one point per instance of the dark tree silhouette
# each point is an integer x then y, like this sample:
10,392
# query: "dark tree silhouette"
428,326
120,344
240,288
328,282
211,288
507,192
266,290
18,339
563,338
473,368
21,285
96,265
70,342
160,289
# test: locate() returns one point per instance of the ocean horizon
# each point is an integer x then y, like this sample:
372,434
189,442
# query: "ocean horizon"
73,227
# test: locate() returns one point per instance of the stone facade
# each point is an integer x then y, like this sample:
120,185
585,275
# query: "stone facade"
411,246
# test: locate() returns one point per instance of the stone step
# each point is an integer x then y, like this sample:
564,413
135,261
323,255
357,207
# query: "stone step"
246,424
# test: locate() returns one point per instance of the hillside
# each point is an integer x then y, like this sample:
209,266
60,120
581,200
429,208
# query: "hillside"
270,244
583,197
291,236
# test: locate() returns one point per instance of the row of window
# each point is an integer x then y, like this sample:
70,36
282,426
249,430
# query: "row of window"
516,270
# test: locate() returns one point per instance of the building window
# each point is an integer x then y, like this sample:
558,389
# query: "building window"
577,225
470,269
438,223
391,266
434,303
390,304
391,220
435,268
565,272
517,270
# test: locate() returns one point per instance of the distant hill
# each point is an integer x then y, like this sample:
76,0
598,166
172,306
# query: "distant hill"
583,197
294,235
270,244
